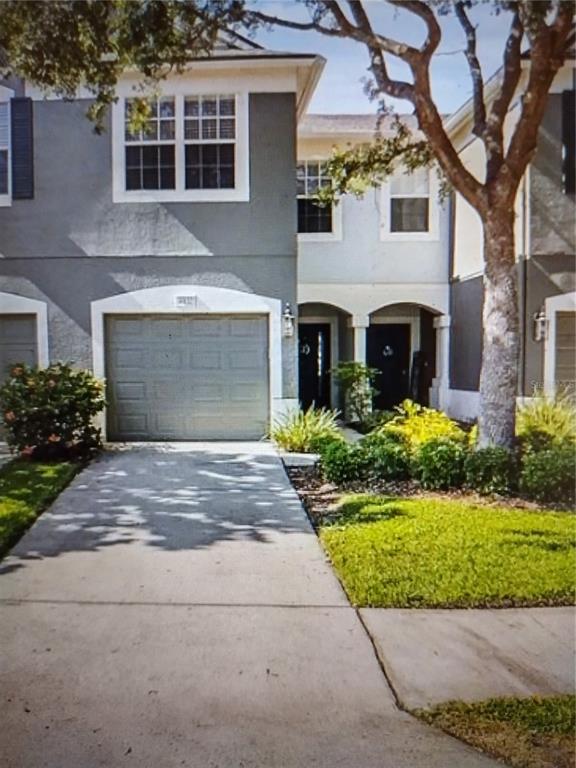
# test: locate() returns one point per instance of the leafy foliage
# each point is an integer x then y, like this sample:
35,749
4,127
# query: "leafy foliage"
357,383
342,463
26,489
439,464
546,421
374,420
387,458
549,475
62,45
49,412
416,553
490,470
418,425
299,431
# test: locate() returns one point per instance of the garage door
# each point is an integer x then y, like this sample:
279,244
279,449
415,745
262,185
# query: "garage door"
187,377
17,342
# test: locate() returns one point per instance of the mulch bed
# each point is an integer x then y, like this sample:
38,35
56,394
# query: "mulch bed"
320,498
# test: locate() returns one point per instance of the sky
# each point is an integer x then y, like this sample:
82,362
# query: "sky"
341,86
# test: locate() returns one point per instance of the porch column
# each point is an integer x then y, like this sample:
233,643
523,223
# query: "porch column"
359,324
439,391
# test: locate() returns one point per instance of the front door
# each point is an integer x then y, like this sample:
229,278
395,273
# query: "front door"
314,364
388,350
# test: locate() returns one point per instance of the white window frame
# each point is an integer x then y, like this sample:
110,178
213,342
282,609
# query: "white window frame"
179,90
5,95
433,213
322,237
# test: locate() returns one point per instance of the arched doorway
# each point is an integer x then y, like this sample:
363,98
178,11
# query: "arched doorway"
401,345
324,339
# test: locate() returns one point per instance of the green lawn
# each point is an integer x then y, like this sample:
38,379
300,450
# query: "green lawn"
416,553
525,733
26,489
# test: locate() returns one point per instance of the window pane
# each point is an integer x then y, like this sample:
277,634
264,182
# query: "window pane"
133,157
209,129
133,178
227,105
150,156
167,178
191,107
227,129
209,105
409,214
3,172
167,130
150,178
313,218
191,129
210,166
167,107
167,155
416,183
150,132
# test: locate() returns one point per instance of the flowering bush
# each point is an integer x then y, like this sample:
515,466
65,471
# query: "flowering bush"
48,412
417,425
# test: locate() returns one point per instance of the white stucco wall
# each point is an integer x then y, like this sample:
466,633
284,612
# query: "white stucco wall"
363,255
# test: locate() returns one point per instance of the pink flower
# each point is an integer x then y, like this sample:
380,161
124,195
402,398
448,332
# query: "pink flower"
28,450
54,438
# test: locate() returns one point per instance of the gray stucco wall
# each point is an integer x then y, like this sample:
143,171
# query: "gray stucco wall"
71,244
552,212
465,333
546,276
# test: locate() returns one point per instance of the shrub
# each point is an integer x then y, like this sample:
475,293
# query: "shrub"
490,470
321,443
374,420
357,383
343,463
386,458
439,464
418,425
48,412
549,475
546,421
297,430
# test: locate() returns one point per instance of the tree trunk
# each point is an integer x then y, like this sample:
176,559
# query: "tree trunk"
500,354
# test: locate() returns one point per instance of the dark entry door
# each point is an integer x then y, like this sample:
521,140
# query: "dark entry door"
314,364
388,350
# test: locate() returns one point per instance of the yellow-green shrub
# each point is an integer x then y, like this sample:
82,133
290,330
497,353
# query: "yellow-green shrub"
417,425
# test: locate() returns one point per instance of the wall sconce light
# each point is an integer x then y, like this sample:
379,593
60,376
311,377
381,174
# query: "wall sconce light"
287,321
539,325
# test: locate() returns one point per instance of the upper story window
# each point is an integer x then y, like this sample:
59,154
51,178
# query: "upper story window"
150,154
192,147
4,152
410,207
409,202
315,222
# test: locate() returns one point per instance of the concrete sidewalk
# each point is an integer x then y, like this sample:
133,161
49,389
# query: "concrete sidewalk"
432,656
174,608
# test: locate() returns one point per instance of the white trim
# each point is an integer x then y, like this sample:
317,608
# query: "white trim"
564,303
201,300
12,304
367,298
240,193
461,404
5,95
431,235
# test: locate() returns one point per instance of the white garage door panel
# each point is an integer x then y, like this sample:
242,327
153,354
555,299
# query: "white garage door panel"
187,377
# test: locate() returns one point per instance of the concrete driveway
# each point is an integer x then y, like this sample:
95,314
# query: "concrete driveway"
174,608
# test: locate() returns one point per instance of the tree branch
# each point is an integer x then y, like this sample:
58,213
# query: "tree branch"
511,71
424,12
547,55
474,67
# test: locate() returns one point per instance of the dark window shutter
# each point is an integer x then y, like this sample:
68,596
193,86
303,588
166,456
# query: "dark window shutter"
569,141
22,149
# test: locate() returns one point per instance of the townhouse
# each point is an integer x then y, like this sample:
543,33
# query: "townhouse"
188,264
